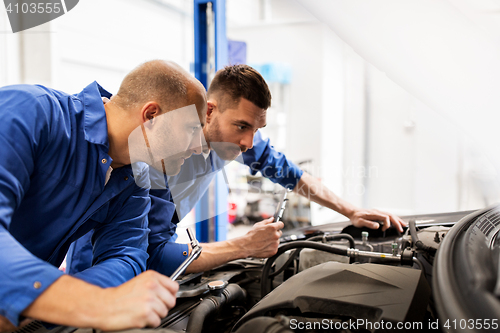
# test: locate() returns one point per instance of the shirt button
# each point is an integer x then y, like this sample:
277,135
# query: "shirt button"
37,285
184,253
126,178
104,161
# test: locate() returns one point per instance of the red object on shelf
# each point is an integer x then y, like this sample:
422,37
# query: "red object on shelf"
232,212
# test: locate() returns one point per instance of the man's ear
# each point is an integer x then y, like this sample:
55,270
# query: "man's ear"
149,111
211,109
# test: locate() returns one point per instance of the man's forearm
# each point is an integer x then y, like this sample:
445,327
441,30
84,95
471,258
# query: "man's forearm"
216,254
68,301
314,190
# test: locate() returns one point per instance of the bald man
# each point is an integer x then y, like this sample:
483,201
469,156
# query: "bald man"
65,170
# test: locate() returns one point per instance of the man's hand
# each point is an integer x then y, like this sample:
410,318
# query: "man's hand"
142,301
262,240
371,218
6,325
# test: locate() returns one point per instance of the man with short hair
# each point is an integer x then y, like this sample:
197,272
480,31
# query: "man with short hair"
238,99
65,170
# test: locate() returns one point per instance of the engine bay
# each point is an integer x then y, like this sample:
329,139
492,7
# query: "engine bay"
337,278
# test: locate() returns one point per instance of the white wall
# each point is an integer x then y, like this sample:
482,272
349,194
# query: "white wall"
353,169
9,51
370,140
102,41
418,161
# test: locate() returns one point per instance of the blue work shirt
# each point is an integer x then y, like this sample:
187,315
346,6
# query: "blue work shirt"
54,160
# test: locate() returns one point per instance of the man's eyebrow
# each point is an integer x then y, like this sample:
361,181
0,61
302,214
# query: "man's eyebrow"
243,122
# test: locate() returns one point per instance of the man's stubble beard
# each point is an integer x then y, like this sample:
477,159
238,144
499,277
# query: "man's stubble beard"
214,135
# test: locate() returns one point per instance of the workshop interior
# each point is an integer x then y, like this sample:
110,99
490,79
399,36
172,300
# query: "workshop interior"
393,105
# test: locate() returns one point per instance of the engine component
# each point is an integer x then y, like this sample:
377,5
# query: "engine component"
310,258
263,325
196,284
466,272
433,236
326,237
212,304
428,240
407,257
266,282
216,287
394,249
354,253
366,291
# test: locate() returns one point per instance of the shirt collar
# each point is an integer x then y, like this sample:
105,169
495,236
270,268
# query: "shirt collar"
96,127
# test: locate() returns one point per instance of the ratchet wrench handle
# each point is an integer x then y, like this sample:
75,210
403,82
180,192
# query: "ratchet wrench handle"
195,253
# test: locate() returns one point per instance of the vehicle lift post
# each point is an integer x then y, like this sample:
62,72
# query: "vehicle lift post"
211,54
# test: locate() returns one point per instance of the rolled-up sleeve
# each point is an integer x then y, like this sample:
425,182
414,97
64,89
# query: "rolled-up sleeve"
168,257
271,163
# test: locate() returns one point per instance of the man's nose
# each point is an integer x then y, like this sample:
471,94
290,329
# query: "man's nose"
247,140
195,146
